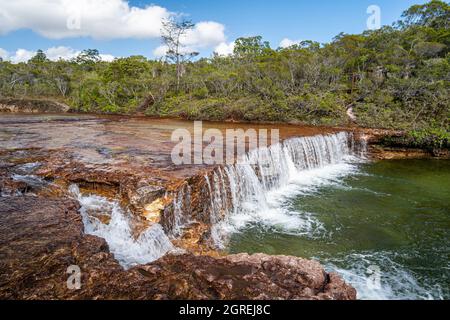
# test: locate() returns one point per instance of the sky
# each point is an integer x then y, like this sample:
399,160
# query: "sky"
120,28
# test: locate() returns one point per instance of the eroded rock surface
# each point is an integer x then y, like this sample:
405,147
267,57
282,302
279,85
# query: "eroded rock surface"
393,145
41,230
41,237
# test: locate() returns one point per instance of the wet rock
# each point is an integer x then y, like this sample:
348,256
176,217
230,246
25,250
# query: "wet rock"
41,237
394,145
144,195
384,153
154,210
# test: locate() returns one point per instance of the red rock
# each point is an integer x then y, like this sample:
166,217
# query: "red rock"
41,237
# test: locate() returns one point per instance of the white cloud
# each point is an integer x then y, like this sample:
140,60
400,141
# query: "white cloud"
4,54
54,54
286,43
107,57
225,49
21,55
160,51
204,34
99,19
61,52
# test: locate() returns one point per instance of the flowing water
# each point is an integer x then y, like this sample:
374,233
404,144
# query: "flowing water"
129,250
384,226
260,181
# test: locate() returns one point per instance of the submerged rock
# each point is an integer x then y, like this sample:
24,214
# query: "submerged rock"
40,238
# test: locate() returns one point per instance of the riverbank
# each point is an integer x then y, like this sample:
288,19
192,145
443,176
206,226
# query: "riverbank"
127,192
128,187
48,237
383,143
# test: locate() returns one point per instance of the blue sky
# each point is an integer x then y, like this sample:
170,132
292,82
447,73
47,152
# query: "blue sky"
275,20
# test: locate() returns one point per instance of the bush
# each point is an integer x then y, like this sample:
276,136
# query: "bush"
430,138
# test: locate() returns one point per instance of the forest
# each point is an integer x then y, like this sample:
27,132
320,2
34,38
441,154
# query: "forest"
395,77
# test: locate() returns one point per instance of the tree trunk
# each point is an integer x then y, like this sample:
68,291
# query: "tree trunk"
149,100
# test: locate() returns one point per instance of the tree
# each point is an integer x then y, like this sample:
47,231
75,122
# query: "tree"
252,46
174,36
40,57
434,14
88,58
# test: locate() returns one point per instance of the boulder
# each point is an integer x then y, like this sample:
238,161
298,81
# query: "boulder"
42,237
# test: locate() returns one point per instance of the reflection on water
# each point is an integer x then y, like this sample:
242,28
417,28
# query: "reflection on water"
390,214
114,140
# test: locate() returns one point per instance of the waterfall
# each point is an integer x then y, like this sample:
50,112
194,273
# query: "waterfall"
232,196
129,251
251,188
181,211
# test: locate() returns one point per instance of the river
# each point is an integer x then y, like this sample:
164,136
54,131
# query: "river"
388,217
382,225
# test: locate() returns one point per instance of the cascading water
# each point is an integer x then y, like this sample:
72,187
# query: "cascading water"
151,245
181,211
251,190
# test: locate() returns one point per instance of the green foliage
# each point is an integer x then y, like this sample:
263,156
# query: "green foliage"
432,138
434,14
394,77
252,46
39,58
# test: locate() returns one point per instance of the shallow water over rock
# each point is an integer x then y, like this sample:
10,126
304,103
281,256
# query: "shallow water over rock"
115,141
131,194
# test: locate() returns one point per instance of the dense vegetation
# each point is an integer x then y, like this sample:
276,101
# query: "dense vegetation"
394,77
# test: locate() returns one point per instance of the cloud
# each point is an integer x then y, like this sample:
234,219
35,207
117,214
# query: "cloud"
99,19
107,57
54,54
4,54
286,43
205,34
65,53
21,55
160,51
225,49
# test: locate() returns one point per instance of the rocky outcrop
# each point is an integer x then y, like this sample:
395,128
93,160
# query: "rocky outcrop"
386,144
41,237
42,233
380,152
32,106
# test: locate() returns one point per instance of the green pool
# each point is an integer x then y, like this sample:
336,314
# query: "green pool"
384,226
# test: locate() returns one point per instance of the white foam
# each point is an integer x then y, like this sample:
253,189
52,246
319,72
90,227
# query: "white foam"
151,245
264,181
395,282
